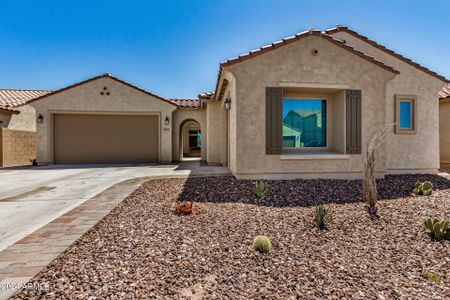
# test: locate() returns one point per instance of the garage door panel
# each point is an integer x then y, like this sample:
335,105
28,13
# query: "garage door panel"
105,138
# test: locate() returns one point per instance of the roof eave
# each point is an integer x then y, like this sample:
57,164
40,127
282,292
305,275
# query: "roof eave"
106,75
341,28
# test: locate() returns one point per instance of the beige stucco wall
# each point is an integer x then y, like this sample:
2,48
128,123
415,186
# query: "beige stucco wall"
408,153
181,116
444,130
86,98
23,121
295,63
217,133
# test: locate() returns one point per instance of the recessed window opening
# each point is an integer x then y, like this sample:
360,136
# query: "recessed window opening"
304,123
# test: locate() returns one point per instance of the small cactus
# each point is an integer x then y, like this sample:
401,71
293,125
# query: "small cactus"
423,188
260,189
431,276
262,244
323,215
439,230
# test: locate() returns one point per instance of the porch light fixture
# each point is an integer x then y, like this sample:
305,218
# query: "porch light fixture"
40,118
227,104
167,121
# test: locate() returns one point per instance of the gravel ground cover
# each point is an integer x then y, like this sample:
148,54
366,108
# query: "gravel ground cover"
143,250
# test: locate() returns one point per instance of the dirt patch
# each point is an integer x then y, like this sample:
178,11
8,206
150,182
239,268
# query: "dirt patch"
142,250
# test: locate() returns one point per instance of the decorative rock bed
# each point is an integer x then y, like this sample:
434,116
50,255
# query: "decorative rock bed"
143,250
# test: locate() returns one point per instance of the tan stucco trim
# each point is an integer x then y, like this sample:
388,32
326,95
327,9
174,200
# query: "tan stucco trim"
325,86
411,171
314,156
51,129
413,100
304,175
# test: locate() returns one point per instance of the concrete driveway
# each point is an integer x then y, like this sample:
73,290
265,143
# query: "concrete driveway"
32,197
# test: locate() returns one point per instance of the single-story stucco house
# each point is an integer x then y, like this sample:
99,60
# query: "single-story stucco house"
301,107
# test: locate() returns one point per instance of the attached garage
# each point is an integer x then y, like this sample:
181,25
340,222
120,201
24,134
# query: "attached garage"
103,120
91,138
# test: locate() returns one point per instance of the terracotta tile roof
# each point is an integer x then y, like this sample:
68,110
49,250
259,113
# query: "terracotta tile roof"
8,110
299,36
206,96
383,48
191,103
13,98
445,92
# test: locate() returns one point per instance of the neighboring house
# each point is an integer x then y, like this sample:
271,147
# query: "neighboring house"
302,107
444,124
17,127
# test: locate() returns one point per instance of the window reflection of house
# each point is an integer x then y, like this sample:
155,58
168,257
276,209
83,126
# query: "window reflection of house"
304,127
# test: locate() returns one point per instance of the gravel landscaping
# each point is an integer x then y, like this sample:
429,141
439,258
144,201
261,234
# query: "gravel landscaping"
143,250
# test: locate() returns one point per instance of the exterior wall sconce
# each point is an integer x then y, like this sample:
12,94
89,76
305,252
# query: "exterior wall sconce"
40,118
227,104
166,121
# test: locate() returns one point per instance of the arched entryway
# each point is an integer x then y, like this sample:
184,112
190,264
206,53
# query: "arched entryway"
191,140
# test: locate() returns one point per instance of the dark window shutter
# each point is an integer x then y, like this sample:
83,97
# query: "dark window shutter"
354,139
274,129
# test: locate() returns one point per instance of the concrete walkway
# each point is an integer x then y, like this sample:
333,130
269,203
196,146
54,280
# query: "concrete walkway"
32,197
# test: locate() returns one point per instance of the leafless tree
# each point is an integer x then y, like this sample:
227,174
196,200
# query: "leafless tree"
370,192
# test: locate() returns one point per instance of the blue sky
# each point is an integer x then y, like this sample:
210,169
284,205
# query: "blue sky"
173,48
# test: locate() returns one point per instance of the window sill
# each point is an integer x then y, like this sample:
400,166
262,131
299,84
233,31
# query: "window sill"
314,156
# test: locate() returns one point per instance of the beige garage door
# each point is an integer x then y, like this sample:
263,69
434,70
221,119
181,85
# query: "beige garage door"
105,139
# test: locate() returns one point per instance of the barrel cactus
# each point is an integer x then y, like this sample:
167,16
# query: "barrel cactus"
439,230
262,244
423,188
260,189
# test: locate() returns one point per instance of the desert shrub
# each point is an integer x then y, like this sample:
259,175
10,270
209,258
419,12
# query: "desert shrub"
439,230
323,215
431,276
423,188
262,244
184,207
260,189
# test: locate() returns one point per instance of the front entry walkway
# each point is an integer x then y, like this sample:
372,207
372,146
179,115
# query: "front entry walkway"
61,204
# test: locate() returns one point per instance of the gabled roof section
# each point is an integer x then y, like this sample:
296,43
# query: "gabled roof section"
13,98
445,93
106,75
302,35
339,28
184,102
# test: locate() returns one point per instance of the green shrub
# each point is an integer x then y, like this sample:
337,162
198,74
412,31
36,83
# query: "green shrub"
260,189
323,215
423,188
262,244
439,230
431,276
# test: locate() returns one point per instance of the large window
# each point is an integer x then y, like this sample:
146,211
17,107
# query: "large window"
304,123
405,118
